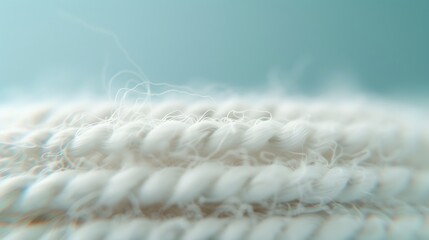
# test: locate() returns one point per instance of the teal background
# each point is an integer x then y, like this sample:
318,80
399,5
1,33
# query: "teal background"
302,46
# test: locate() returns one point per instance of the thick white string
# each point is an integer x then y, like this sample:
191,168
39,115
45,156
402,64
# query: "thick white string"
212,183
341,227
211,139
264,161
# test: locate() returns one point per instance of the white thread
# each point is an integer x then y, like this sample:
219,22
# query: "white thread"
223,160
280,110
308,184
303,227
180,140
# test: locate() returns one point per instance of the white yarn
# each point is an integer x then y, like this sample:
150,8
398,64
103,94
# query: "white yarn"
77,115
213,139
229,170
210,183
339,227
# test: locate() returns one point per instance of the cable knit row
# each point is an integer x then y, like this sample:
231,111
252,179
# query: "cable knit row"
212,139
210,183
227,170
292,109
339,227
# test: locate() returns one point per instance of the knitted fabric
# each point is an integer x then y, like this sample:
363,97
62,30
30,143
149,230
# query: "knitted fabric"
289,169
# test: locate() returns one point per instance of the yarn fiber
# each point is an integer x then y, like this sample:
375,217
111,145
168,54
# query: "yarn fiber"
288,169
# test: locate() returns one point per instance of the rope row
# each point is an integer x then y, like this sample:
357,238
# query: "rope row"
340,227
90,113
212,139
210,183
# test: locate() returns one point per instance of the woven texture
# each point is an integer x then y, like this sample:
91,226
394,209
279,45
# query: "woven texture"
229,170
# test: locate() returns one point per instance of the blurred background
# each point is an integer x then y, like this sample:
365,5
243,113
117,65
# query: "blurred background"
65,48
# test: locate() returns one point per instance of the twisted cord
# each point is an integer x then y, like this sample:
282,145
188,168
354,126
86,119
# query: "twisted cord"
111,159
182,140
209,183
292,109
341,227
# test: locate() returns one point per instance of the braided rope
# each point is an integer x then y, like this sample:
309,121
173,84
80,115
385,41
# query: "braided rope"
211,183
212,139
303,227
49,115
264,163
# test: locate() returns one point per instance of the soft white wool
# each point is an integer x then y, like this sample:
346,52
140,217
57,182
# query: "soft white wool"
341,227
209,183
201,170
